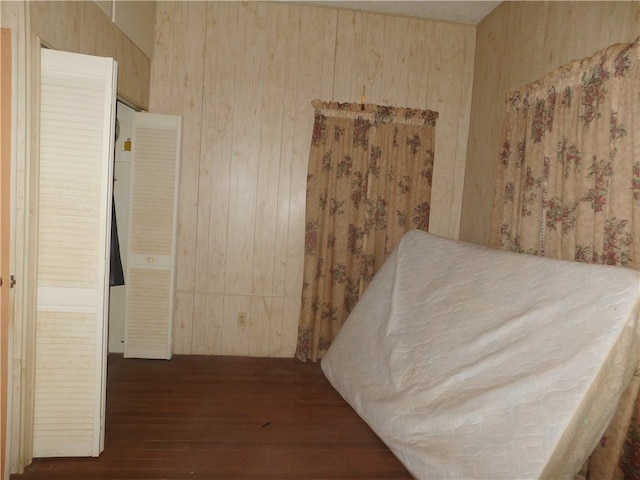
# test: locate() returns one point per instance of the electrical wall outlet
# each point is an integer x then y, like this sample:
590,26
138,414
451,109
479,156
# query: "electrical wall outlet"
242,319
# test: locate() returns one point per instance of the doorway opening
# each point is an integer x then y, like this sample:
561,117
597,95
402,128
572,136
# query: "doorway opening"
121,193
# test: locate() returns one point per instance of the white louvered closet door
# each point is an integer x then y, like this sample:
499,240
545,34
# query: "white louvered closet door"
77,101
152,236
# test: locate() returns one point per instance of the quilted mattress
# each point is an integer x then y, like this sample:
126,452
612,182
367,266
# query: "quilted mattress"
470,362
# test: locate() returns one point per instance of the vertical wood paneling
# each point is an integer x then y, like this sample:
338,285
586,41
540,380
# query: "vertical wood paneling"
191,93
179,66
40,16
82,27
213,329
197,326
308,87
188,69
277,330
373,57
258,331
269,167
95,31
417,84
165,97
191,72
459,166
133,72
235,339
217,144
351,45
291,312
72,21
328,56
282,261
183,323
216,160
247,124
263,64
195,21
386,56
525,21
162,86
518,43
560,20
446,96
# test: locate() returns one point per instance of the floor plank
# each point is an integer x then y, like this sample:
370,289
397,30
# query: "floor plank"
215,417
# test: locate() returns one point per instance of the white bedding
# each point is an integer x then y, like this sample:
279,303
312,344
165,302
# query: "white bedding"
470,362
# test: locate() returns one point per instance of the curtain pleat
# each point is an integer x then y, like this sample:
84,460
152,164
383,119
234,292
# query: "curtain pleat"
369,182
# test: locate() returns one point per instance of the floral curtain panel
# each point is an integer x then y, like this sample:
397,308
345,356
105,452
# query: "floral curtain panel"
568,184
568,187
369,182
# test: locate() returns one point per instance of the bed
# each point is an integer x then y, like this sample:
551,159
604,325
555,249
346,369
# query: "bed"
470,362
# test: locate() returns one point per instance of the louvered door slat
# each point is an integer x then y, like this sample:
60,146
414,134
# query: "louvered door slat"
77,101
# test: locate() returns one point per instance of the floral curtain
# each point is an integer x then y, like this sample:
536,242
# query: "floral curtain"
369,182
568,186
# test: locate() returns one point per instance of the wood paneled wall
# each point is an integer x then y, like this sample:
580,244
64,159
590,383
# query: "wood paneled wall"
243,76
518,43
82,27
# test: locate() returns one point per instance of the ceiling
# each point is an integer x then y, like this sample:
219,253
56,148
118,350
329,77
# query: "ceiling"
468,12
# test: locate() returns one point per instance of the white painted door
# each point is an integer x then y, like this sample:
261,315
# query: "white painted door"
77,98
150,273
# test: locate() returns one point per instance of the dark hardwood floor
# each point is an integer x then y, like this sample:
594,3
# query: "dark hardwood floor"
212,417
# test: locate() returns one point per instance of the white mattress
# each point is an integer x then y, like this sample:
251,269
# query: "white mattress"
477,363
